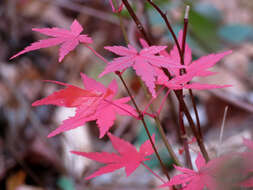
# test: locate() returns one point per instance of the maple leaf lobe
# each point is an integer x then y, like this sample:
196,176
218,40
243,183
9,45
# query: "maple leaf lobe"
126,157
68,40
95,102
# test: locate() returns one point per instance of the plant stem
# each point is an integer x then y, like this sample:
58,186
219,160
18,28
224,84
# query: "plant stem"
181,114
159,125
183,133
185,30
164,16
152,99
144,34
166,143
190,90
97,54
136,20
112,103
193,128
189,118
145,125
137,109
155,174
186,18
163,102
180,92
121,23
196,113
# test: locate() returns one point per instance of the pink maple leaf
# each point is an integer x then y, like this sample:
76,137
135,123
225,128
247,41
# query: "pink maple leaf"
198,67
127,157
195,180
93,103
143,62
182,82
67,39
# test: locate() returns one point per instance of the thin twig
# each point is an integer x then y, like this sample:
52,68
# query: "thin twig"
145,125
97,54
155,174
188,116
186,18
136,20
183,134
152,99
121,22
164,16
163,102
222,128
166,143
140,114
110,102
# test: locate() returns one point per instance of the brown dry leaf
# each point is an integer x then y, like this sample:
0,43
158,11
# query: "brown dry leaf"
15,180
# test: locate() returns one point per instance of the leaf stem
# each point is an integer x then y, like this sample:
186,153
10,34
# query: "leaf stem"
183,133
110,102
188,116
144,34
152,99
145,125
159,125
181,114
164,16
121,23
186,18
97,54
151,171
136,20
166,143
163,102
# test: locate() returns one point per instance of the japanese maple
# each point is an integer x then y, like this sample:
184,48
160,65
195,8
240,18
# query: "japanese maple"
143,62
194,69
197,67
126,157
183,82
195,180
96,102
67,39
93,103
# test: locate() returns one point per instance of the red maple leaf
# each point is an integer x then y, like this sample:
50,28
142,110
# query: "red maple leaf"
94,103
127,157
195,180
198,67
182,82
68,39
143,62
193,69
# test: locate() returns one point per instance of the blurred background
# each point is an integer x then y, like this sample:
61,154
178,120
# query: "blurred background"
31,161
